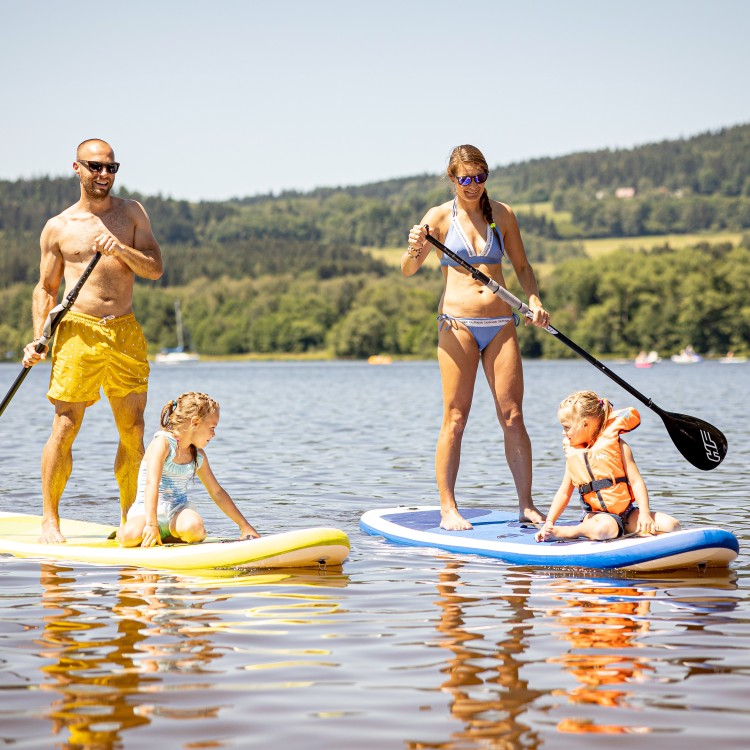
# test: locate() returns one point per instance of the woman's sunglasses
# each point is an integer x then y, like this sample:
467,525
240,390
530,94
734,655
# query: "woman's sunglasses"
97,166
478,178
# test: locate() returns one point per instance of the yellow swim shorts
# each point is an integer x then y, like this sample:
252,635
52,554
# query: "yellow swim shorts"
90,353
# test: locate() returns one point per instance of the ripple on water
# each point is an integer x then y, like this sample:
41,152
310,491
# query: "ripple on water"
403,647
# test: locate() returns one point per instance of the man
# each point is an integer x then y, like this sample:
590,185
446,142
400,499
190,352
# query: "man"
99,342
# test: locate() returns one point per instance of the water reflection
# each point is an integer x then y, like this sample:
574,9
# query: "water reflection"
614,631
607,624
602,624
290,662
94,676
111,650
483,675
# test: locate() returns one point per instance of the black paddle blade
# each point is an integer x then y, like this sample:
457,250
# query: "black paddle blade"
698,441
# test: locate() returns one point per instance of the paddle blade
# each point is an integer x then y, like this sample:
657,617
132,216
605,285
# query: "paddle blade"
698,441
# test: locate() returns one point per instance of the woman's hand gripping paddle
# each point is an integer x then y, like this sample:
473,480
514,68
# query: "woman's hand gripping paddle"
702,444
54,318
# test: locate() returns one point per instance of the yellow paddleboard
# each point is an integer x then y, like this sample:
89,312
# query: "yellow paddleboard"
89,543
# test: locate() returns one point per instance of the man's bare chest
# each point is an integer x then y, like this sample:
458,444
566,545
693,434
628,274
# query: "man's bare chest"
79,235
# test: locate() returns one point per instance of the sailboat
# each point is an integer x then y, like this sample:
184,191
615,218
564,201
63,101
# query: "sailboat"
177,355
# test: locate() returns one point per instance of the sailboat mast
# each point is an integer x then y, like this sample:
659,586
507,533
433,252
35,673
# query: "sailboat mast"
178,320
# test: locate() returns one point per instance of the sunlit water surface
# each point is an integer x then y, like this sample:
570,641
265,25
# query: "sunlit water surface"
403,647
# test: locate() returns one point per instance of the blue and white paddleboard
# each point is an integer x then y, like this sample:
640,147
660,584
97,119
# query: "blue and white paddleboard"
499,534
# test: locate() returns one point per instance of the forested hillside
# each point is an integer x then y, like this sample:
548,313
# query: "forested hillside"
286,273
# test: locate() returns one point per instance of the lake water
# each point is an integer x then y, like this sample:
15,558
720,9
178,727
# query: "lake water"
403,647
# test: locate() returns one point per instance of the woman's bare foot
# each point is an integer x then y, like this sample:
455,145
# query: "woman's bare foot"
530,514
452,520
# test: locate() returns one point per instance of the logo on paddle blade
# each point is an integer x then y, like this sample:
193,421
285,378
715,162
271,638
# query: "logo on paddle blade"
709,445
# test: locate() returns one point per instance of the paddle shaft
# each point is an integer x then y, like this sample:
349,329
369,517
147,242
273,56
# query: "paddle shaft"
702,444
523,308
50,326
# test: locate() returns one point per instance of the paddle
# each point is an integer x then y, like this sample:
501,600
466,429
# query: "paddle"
56,314
702,444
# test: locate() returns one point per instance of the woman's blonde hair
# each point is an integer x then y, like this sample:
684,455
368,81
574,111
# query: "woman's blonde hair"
180,411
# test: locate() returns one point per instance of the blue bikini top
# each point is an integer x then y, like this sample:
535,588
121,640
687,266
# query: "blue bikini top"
457,241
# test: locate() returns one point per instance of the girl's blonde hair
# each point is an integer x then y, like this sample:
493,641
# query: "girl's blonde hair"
587,405
180,411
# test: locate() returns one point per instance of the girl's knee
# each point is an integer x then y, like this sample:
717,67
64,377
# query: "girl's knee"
602,529
190,529
130,534
193,534
666,523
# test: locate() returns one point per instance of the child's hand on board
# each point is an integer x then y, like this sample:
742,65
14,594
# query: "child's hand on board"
544,533
151,536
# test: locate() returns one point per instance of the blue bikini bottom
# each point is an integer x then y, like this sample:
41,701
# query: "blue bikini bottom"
482,329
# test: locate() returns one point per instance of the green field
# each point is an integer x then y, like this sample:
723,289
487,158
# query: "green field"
563,219
593,248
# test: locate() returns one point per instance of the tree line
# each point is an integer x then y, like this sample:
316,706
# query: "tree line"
287,273
686,185
614,305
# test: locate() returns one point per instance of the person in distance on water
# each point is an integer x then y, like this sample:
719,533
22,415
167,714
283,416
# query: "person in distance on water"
176,456
600,465
475,325
99,343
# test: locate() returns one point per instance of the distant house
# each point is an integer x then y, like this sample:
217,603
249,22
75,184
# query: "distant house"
625,192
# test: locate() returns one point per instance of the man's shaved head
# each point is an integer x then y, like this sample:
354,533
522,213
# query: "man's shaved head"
92,144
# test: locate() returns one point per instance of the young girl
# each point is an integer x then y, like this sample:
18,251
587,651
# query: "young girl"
601,467
174,457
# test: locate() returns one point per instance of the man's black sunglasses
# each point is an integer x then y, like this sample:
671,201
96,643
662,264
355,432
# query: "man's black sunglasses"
97,166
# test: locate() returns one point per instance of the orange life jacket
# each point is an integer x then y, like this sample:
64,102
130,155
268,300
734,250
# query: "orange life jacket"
598,472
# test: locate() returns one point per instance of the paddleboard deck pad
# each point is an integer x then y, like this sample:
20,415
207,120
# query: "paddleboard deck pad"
500,535
89,543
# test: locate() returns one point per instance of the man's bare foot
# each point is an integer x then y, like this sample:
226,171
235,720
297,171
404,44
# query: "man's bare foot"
51,533
452,520
531,515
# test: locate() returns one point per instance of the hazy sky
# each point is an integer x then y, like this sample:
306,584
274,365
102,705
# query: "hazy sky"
222,98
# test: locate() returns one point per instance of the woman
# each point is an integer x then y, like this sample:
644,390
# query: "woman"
475,324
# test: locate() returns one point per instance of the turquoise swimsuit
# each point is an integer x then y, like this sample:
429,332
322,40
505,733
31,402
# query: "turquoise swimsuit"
482,329
173,492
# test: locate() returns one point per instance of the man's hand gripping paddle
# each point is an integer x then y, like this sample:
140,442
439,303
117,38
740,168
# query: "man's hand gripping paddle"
54,318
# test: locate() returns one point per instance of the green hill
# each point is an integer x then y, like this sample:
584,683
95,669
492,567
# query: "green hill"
295,266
